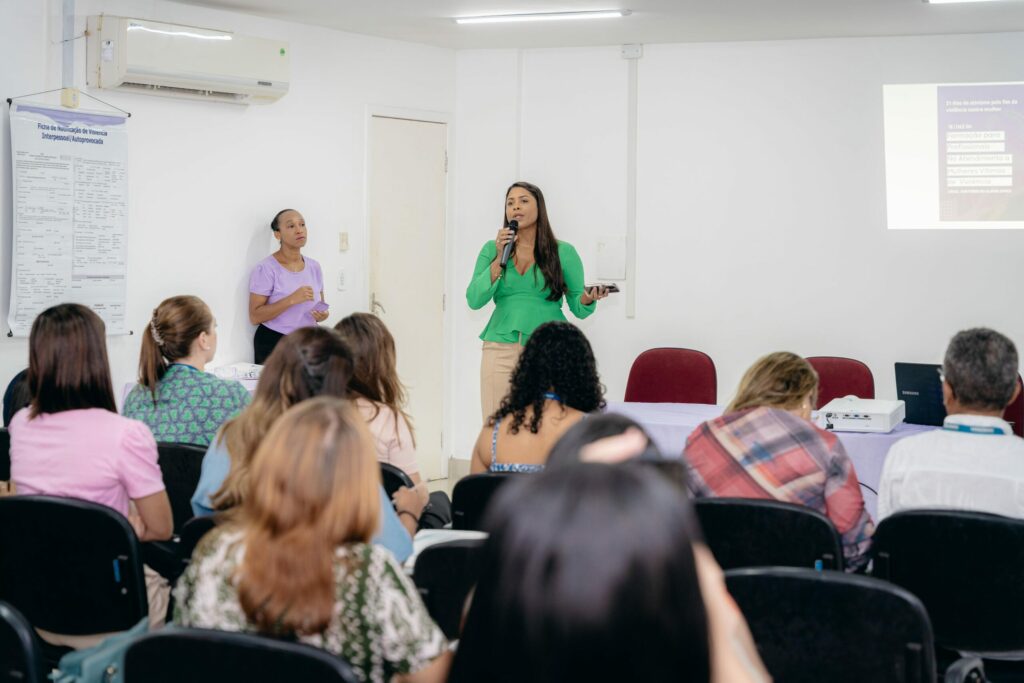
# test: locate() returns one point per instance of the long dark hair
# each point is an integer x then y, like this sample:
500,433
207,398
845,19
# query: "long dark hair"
556,358
588,574
68,367
545,248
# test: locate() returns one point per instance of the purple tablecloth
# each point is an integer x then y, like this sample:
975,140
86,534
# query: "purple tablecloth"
670,423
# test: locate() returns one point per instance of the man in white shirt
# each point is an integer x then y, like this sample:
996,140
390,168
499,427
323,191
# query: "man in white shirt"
974,462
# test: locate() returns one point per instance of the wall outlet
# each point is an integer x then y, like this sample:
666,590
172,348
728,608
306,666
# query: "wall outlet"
341,280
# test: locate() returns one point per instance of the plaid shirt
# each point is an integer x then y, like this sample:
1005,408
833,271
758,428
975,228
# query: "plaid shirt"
770,453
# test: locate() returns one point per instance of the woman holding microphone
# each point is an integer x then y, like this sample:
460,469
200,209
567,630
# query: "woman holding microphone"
286,289
527,291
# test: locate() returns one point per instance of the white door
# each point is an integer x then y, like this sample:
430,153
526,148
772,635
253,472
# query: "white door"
408,191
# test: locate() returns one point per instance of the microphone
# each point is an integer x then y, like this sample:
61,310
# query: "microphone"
513,225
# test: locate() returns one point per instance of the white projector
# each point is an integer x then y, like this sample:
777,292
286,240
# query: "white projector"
852,414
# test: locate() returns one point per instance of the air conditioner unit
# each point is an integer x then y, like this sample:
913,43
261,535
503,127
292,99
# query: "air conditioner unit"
184,61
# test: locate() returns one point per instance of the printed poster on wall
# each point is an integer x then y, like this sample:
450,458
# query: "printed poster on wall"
70,177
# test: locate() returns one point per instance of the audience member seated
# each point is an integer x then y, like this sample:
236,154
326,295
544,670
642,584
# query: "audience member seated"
608,437
554,385
295,561
595,572
311,361
380,397
16,396
765,446
975,462
70,441
179,401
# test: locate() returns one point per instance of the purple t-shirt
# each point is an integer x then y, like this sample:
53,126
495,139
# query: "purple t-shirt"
272,280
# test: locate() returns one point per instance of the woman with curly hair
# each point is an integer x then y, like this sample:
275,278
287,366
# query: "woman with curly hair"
530,293
554,385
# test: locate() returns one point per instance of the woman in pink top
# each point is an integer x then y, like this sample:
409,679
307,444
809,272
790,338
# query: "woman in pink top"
380,397
286,289
70,441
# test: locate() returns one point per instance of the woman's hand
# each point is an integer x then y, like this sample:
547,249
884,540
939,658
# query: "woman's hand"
411,500
593,294
300,295
319,316
505,235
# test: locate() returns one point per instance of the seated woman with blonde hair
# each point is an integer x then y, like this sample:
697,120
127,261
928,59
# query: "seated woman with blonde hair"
765,446
296,559
309,362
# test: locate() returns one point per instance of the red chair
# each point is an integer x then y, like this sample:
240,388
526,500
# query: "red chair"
1015,411
668,375
838,377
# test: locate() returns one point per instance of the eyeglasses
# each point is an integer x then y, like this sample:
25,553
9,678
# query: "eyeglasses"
942,375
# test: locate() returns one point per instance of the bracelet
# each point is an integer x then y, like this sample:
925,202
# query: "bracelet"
406,512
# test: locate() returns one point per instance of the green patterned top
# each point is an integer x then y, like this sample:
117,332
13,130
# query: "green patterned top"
190,406
379,625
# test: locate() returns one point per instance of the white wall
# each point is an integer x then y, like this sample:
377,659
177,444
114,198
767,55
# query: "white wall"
761,199
206,178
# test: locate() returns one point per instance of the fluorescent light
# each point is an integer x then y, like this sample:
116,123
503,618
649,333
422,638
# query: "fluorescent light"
544,16
184,34
950,2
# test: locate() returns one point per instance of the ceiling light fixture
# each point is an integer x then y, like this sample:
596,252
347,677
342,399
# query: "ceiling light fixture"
950,2
544,16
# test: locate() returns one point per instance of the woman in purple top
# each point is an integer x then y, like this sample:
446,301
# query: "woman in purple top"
286,289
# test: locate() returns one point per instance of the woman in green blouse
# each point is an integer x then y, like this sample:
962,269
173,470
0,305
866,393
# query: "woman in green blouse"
527,293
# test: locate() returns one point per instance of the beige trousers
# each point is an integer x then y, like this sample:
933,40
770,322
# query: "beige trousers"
496,366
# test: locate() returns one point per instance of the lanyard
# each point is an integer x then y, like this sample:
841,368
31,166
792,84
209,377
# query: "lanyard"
553,396
974,429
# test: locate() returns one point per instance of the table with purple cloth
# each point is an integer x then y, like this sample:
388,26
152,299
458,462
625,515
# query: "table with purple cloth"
669,424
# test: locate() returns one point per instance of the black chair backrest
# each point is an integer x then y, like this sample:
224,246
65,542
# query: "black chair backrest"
830,626
393,478
181,464
5,454
745,532
444,574
193,532
471,496
20,655
966,567
203,656
70,566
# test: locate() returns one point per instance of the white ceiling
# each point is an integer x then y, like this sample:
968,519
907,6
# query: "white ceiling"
652,21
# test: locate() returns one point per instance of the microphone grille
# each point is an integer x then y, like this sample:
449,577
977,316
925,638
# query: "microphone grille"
514,224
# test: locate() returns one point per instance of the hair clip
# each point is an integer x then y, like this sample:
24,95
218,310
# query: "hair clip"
156,335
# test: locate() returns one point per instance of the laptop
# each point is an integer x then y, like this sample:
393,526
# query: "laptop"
919,386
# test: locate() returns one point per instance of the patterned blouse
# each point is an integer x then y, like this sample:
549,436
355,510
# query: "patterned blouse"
190,407
380,626
769,453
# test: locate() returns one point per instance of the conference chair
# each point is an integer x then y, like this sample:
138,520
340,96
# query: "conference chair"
1014,413
968,570
180,464
206,656
192,533
70,566
444,574
5,454
21,657
393,478
670,375
838,377
828,626
472,494
745,532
